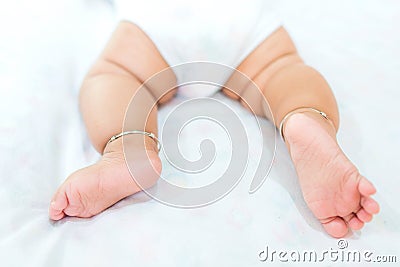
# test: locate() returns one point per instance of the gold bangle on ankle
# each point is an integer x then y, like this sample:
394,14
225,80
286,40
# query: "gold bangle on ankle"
151,135
302,110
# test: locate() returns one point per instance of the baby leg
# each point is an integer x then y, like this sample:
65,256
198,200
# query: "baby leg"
332,186
128,59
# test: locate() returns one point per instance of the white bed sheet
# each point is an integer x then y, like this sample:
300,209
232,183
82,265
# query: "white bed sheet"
45,49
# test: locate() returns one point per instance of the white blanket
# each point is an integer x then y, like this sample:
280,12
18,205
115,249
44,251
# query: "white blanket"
46,47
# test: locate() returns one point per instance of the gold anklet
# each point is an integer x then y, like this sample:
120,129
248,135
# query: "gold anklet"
151,135
302,110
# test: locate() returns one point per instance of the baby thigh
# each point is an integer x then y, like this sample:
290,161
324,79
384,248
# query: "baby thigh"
254,72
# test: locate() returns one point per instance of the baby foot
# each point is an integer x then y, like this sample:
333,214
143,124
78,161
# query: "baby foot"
332,187
91,190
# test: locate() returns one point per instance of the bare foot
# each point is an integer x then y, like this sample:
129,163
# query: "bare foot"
91,190
332,187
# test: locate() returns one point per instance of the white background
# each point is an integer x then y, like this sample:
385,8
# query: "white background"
46,47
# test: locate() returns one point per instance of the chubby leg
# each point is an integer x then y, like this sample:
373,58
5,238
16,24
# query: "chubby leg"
129,59
332,186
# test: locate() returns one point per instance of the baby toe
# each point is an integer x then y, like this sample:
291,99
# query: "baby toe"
365,187
355,223
364,216
57,205
370,205
56,214
336,227
72,210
